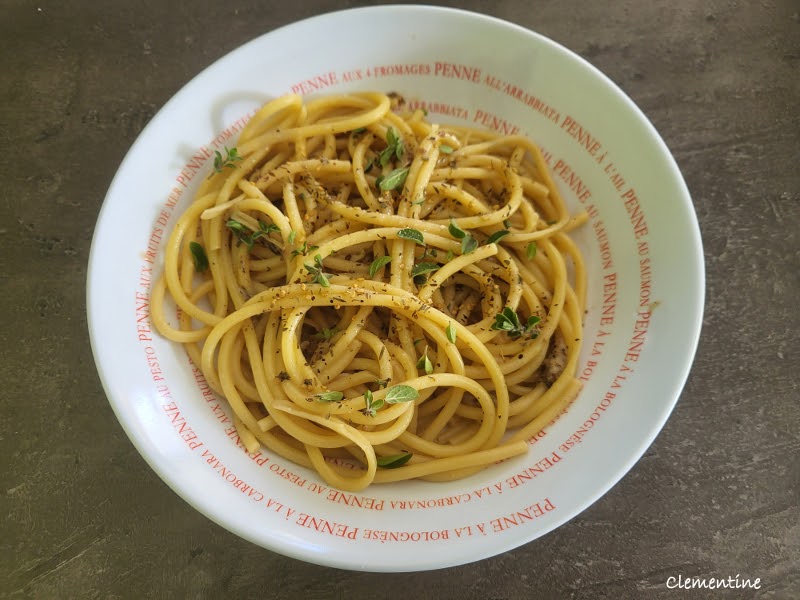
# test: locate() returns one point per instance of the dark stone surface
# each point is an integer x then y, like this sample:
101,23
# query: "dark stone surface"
715,496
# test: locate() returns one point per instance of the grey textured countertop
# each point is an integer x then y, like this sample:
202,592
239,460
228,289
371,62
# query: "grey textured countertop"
716,495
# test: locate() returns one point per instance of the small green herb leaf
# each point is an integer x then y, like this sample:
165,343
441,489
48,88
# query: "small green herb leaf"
229,160
393,180
236,226
382,383
507,320
291,237
304,249
394,147
423,267
424,363
456,231
387,153
468,244
241,231
317,276
451,333
413,235
198,256
378,264
396,142
445,149
495,237
245,235
329,397
394,461
401,393
318,262
263,231
371,405
267,229
530,251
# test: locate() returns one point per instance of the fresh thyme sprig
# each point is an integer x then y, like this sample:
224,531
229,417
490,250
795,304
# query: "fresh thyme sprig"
304,249
317,276
246,235
508,321
371,405
394,147
229,160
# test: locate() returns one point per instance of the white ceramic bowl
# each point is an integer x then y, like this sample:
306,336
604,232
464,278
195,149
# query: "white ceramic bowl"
645,291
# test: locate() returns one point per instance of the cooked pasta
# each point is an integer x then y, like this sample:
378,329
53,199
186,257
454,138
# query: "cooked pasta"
378,297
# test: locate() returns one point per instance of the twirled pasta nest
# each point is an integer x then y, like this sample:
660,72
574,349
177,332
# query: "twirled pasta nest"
378,297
